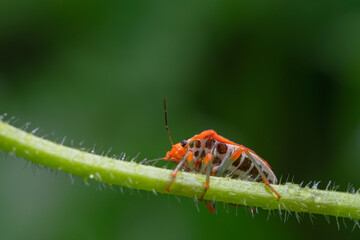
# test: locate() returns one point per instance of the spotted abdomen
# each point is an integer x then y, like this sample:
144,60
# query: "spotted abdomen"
242,167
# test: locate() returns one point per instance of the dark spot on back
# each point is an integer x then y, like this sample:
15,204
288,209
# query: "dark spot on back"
197,143
222,148
196,153
191,144
202,154
209,143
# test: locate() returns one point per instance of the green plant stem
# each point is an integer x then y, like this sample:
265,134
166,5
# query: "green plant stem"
137,176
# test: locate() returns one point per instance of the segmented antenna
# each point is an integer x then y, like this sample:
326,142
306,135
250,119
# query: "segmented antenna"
166,123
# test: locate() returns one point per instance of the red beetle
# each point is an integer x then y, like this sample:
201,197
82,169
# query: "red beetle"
213,155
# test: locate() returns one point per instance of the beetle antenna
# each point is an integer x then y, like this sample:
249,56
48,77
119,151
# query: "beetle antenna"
166,123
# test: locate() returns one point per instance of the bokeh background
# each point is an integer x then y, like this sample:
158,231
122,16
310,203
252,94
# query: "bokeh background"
280,77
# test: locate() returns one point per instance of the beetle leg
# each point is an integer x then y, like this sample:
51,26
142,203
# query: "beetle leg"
235,155
207,162
252,210
265,180
190,158
174,172
210,205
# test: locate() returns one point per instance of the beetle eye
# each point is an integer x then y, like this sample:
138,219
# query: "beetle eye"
183,143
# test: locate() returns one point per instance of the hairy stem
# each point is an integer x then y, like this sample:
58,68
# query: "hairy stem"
137,176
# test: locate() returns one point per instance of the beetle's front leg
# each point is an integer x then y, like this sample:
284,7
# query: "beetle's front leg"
189,158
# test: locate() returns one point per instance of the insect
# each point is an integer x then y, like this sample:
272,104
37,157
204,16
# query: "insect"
213,155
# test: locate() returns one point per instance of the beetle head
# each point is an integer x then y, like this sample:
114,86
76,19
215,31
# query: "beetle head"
178,152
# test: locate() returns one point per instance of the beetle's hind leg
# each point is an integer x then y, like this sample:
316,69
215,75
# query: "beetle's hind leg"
264,178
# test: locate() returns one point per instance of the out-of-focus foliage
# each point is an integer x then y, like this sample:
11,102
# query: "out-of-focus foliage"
280,77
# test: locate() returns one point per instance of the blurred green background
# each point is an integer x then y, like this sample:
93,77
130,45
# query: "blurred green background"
280,77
